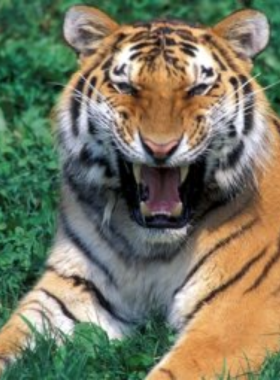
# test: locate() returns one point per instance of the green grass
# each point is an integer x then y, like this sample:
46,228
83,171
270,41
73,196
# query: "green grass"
34,64
91,356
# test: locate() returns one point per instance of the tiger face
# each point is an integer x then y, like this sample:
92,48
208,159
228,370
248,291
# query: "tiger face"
163,115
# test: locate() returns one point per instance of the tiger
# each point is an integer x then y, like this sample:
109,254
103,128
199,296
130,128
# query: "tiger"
170,194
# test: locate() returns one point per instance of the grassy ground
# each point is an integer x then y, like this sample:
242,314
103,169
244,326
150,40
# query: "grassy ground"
34,64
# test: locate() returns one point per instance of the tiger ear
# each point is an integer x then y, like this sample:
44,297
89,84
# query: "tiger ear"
85,27
247,31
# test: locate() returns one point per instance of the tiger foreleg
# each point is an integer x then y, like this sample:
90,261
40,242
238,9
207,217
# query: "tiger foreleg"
54,306
229,340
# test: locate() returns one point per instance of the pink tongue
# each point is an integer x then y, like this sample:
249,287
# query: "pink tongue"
163,188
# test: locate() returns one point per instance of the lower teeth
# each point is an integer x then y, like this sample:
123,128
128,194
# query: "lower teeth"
176,212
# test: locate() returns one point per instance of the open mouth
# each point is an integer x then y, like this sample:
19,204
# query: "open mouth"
161,197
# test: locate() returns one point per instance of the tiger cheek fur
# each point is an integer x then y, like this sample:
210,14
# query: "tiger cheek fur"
170,194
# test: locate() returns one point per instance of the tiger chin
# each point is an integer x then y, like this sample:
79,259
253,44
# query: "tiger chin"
170,194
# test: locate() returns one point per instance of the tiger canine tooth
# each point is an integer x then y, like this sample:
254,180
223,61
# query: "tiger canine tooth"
177,211
144,209
184,170
137,172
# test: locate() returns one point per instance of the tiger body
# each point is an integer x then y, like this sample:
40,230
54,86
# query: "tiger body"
170,194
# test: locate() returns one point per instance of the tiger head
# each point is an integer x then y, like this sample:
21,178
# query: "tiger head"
163,115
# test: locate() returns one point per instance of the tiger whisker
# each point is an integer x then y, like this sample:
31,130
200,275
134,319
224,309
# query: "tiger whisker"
226,98
232,107
231,94
223,101
234,114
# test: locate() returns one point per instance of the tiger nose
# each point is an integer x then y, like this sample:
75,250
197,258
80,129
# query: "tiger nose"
160,151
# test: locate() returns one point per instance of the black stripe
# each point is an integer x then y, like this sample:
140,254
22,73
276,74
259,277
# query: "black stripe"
247,87
109,172
222,52
76,240
76,100
86,156
248,120
186,35
189,52
248,104
141,45
76,105
219,61
235,84
220,244
91,87
234,156
232,132
187,46
119,40
90,287
107,64
220,289
267,268
142,35
136,55
88,159
170,41
61,304
93,129
92,126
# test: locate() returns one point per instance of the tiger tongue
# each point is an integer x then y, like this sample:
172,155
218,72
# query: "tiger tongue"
163,187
